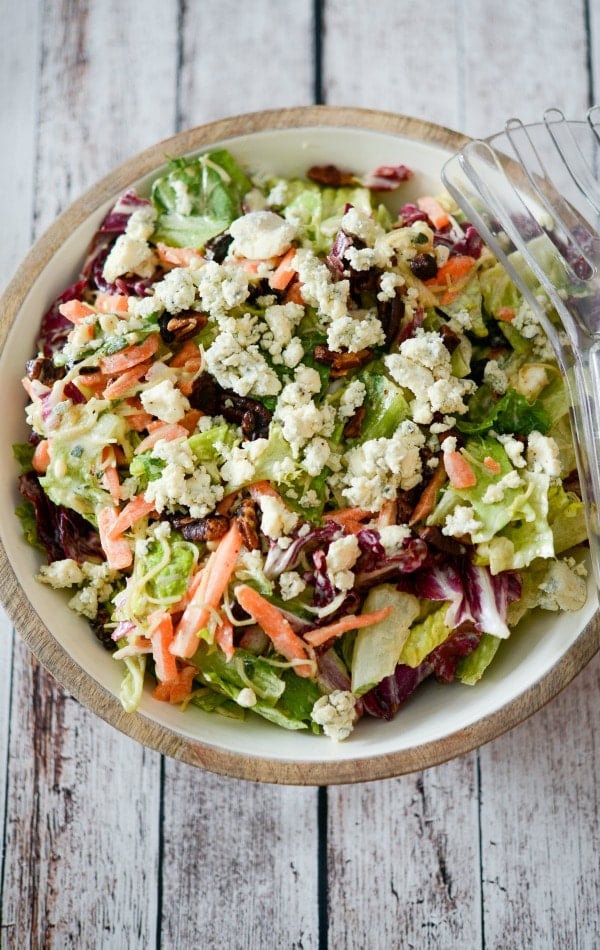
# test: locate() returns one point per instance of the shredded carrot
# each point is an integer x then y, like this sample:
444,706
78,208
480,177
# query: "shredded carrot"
96,382
190,420
209,595
117,549
258,490
284,272
353,622
191,368
293,293
138,421
459,471
112,303
453,270
349,518
253,266
189,351
133,511
117,388
275,626
491,464
132,355
193,585
178,256
178,689
75,310
426,502
224,638
506,314
434,211
161,637
166,430
41,456
110,477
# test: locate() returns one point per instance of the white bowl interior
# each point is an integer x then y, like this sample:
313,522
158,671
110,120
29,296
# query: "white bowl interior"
435,712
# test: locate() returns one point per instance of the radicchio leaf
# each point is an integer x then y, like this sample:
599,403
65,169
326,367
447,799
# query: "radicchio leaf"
55,328
385,699
387,177
471,244
279,560
374,565
62,532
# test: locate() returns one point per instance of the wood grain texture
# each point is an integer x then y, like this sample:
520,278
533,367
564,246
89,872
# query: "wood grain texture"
539,824
236,60
377,56
82,833
244,857
519,59
412,845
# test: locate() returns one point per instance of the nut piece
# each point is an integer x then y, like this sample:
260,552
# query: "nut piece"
211,528
247,522
340,363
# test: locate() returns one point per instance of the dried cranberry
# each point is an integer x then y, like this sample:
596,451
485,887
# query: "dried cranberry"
424,266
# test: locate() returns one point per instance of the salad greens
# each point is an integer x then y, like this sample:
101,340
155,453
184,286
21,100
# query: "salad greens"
293,453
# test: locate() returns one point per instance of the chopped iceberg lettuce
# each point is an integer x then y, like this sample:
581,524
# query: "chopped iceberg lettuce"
74,476
424,637
472,667
317,212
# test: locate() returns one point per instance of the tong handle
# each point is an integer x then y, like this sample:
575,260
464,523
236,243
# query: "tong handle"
478,182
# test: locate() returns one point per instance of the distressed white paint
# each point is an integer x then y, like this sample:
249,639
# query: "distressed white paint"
500,845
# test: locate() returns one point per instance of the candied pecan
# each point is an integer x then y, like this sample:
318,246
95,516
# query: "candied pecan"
435,539
340,363
364,281
424,266
330,175
211,528
405,504
250,414
181,327
353,427
43,368
390,313
247,522
450,338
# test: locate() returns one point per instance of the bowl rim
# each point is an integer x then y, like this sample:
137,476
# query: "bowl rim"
32,628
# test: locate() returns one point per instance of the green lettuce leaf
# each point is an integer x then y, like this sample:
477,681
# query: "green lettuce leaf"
282,697
317,211
511,413
472,667
23,453
385,406
25,512
424,637
213,187
512,532
168,584
132,684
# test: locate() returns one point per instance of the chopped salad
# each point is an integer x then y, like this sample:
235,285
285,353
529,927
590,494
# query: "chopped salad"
294,452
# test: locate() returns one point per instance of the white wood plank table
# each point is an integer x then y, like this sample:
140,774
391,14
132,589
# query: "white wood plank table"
107,845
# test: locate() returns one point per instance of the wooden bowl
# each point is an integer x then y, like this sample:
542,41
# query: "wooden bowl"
439,722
